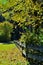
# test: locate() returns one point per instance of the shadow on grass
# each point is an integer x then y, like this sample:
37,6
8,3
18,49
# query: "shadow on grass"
8,42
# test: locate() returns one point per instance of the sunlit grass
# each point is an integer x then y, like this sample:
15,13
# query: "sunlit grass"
6,46
11,55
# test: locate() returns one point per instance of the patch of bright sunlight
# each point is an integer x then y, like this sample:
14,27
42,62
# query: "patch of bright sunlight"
3,1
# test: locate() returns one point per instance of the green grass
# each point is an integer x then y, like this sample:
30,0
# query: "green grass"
6,46
11,55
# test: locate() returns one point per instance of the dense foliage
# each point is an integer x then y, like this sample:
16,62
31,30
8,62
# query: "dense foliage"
24,14
21,20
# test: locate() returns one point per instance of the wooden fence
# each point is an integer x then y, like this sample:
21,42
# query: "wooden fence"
35,52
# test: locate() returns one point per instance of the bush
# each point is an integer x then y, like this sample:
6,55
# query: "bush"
26,37
5,31
30,38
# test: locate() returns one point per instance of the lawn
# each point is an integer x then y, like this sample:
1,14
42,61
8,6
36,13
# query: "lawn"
11,55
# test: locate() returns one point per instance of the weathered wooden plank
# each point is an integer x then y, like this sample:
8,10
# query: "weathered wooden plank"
20,44
37,48
34,57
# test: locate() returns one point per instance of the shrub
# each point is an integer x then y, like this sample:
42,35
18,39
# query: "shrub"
5,31
26,37
30,38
